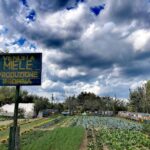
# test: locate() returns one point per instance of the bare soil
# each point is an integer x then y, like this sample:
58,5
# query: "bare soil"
84,143
105,147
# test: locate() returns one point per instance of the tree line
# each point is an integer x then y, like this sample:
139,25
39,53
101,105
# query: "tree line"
7,96
139,101
87,101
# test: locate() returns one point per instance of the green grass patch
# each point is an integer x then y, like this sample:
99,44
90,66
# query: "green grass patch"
58,139
3,147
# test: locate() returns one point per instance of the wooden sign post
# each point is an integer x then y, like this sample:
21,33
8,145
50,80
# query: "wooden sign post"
14,143
18,69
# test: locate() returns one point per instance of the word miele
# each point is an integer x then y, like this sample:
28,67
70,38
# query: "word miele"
21,74
17,62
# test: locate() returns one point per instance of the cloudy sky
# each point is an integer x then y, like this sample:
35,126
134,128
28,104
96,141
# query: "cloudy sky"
99,46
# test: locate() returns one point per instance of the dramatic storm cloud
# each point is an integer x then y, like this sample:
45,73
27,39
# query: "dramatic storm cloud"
99,46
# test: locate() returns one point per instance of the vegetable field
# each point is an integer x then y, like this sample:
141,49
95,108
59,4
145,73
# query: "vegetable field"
122,139
109,122
113,133
69,133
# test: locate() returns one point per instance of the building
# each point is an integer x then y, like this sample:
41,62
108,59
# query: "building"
47,112
8,110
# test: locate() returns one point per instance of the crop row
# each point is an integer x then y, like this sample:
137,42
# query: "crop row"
116,139
20,122
109,122
50,123
26,127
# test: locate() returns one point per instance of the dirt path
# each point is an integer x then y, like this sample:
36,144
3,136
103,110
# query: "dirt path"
94,138
105,147
84,143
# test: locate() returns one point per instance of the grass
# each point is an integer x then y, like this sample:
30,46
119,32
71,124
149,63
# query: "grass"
3,147
58,139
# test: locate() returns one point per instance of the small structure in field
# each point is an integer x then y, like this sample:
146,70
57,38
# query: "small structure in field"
65,113
26,108
47,112
106,113
135,116
84,114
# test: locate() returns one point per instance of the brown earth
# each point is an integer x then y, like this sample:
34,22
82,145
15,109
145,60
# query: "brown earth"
84,143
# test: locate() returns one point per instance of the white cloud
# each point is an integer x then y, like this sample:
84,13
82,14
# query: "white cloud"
64,21
64,18
53,55
91,31
47,83
93,88
78,87
135,85
50,65
139,39
69,72
1,39
96,30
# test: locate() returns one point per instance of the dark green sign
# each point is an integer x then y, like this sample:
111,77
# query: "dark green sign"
20,69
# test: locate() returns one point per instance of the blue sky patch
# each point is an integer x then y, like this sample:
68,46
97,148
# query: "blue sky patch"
31,16
78,1
76,4
24,2
97,9
20,41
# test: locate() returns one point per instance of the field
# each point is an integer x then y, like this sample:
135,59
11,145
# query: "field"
80,133
59,138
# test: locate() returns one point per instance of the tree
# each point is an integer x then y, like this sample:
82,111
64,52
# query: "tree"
60,107
139,99
90,102
71,103
40,104
147,99
7,95
21,112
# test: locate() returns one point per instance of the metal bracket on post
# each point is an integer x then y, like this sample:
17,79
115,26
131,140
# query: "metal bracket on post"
14,143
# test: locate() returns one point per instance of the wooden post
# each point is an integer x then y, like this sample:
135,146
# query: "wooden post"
14,131
16,106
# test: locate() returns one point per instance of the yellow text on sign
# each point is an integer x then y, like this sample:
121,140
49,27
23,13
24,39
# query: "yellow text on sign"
21,74
18,62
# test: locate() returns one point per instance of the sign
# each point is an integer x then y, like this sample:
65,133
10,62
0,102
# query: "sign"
20,69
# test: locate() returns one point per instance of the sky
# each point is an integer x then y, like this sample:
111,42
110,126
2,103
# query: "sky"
98,46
